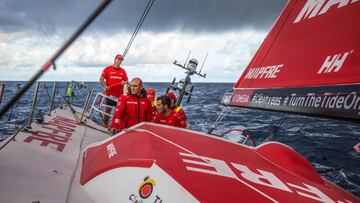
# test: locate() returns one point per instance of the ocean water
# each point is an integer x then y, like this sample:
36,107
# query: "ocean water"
326,143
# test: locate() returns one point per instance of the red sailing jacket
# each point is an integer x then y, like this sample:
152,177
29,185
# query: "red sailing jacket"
153,108
172,119
181,116
130,111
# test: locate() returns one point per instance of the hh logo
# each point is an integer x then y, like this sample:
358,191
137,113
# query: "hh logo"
333,63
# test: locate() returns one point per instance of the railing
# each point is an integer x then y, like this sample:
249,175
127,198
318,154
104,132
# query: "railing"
70,92
98,103
226,109
100,98
89,105
40,88
35,101
26,125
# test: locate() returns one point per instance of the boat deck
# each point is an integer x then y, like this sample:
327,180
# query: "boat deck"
53,171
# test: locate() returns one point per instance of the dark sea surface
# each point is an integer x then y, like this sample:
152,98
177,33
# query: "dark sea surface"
326,143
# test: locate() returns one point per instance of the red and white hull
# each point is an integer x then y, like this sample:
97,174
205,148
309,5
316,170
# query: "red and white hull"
187,166
309,62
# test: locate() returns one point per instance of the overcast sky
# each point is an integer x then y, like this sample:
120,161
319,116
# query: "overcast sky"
229,30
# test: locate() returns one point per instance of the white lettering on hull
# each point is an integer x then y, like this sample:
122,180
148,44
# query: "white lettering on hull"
111,150
270,100
348,101
261,177
314,8
266,72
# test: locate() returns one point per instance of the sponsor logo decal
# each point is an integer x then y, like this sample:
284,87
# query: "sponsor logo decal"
333,63
111,150
242,97
314,8
116,77
146,187
145,190
266,72
56,134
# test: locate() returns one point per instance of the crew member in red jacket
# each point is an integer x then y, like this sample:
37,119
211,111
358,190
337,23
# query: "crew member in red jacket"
165,115
180,112
151,96
132,108
113,79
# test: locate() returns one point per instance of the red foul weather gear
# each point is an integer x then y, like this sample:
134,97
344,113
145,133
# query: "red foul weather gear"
130,111
153,108
114,77
181,116
171,120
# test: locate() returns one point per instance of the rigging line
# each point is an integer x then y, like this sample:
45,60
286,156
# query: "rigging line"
47,92
146,11
57,54
17,91
68,103
277,127
39,97
224,112
141,20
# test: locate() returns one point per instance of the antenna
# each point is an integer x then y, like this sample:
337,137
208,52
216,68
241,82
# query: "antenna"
184,83
187,58
203,62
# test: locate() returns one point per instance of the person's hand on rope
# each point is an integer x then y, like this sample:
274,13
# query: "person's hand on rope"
112,131
106,88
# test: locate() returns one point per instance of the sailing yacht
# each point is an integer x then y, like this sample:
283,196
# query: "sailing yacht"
309,62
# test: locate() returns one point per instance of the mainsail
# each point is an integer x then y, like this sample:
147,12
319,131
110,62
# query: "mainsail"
308,63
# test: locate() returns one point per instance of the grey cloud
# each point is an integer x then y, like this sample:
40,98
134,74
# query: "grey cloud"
87,64
216,15
40,15
48,16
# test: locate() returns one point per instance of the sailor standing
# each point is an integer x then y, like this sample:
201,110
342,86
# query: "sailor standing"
113,79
